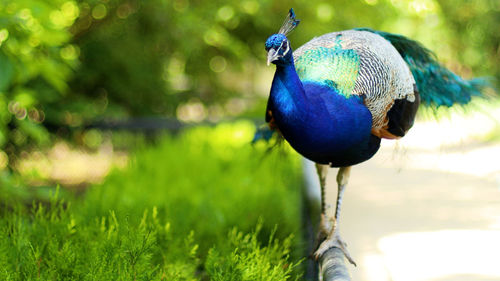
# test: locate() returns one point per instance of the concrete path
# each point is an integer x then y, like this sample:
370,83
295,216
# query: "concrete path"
419,211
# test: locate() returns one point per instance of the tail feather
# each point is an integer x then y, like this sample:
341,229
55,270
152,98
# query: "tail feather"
436,84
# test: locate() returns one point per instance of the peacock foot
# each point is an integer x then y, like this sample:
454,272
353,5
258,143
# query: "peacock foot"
333,241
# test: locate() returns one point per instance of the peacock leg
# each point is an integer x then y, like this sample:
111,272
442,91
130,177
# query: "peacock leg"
333,237
325,225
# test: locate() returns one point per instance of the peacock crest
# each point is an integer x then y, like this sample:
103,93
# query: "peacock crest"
289,24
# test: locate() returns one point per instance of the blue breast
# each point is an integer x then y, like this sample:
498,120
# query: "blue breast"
332,129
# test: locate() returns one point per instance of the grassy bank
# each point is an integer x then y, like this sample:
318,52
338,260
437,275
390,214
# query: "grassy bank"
204,205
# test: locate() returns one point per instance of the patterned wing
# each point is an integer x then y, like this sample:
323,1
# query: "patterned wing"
437,85
359,63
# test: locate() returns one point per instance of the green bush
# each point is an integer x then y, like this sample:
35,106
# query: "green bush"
36,61
202,205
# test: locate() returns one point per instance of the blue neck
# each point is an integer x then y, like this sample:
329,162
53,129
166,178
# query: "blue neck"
287,93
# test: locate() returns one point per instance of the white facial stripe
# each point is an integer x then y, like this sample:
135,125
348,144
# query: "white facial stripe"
281,45
287,48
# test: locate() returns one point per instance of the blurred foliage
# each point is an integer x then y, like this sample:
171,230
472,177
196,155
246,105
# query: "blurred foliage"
474,39
66,63
36,63
179,220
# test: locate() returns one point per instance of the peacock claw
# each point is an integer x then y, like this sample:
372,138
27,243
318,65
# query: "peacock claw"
333,242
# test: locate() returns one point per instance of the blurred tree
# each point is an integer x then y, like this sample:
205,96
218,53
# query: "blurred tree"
149,56
474,25
36,61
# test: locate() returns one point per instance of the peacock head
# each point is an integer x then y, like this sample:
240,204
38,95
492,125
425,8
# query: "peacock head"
277,45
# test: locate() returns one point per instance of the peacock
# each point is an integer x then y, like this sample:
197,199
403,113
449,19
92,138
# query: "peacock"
334,99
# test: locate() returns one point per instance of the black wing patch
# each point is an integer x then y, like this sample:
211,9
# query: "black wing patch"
402,114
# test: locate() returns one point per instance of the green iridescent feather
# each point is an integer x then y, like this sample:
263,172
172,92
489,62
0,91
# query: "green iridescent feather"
333,66
436,84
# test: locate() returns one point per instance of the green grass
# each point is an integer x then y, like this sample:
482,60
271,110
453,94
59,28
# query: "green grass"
204,205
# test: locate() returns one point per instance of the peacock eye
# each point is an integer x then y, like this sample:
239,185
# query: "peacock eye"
283,43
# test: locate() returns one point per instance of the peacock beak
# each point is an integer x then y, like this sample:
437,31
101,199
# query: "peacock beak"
272,55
